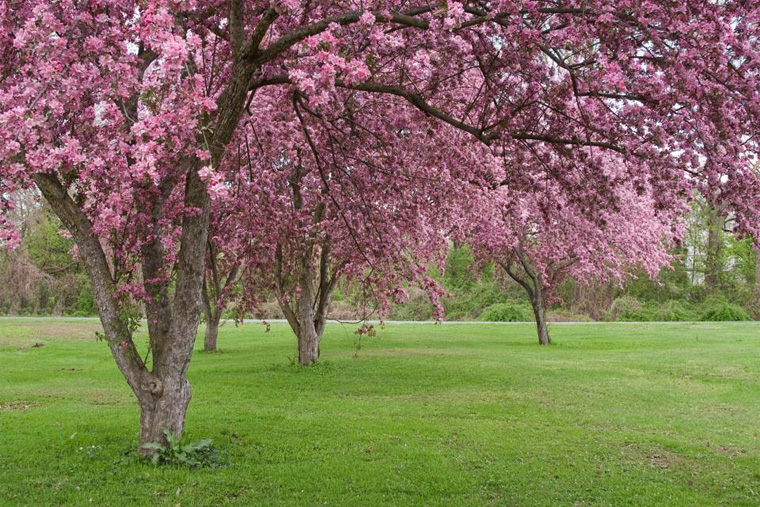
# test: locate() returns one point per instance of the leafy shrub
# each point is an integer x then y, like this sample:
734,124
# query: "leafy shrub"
719,309
511,311
85,304
674,310
193,455
460,266
563,315
466,304
628,309
417,307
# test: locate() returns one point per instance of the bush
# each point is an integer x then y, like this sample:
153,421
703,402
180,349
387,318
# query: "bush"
719,309
628,309
178,454
85,304
675,310
511,311
469,304
417,307
564,315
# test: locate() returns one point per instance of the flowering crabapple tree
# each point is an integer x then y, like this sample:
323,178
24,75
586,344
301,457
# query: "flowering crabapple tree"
225,266
121,114
539,238
339,201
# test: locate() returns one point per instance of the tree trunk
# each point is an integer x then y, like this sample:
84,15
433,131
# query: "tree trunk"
536,290
308,329
308,345
538,302
713,257
163,407
307,323
307,314
212,332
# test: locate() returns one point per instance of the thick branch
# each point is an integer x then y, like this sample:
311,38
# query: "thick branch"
94,258
287,41
417,101
269,17
507,267
287,310
190,275
237,31
573,141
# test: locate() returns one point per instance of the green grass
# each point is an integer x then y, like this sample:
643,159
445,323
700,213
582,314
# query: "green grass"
613,414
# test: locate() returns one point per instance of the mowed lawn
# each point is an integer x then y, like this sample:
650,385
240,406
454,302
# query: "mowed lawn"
476,414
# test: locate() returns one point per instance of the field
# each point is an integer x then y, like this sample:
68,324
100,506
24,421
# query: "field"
475,414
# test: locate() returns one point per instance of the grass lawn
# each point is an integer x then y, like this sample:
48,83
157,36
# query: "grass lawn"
476,414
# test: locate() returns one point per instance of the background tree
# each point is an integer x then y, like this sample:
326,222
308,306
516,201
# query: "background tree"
224,268
348,197
541,238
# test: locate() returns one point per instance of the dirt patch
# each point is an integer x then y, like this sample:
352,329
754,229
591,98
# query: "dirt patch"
34,333
64,330
18,405
726,450
402,352
106,397
654,455
729,450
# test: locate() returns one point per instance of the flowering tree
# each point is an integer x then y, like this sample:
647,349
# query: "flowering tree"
224,269
540,237
340,193
121,114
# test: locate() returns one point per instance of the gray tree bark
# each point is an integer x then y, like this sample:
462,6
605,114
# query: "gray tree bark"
212,333
215,293
162,391
521,270
538,302
714,249
307,315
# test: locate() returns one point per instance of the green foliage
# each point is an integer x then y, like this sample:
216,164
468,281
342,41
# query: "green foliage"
743,258
714,308
674,310
418,307
628,309
469,303
510,311
671,283
41,277
563,315
198,454
470,288
47,248
461,270
85,305
719,309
